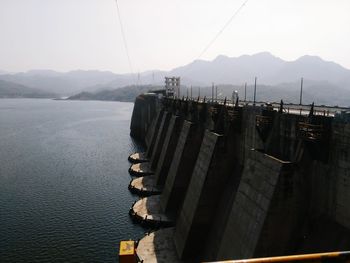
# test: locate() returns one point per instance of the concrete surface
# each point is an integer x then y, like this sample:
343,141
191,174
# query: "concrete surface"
144,186
234,193
158,247
138,157
140,169
148,209
168,149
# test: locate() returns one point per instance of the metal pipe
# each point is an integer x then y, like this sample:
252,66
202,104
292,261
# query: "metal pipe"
343,256
212,92
254,91
301,91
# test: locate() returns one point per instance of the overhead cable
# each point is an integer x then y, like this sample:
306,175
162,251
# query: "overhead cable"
222,29
124,38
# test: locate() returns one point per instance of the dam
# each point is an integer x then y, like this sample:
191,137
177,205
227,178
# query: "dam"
229,180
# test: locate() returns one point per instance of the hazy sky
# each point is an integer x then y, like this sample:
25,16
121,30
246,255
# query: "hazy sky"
161,34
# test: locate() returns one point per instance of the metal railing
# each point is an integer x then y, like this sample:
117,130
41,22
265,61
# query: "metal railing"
311,132
319,257
288,108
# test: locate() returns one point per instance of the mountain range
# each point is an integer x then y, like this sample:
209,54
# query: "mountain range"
14,90
272,73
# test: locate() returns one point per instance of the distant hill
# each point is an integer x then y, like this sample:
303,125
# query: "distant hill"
325,81
61,83
14,90
269,69
126,94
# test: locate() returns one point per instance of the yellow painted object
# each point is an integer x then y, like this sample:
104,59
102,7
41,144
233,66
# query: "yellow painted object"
127,253
343,256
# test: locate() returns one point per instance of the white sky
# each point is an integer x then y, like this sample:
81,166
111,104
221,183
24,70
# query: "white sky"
162,34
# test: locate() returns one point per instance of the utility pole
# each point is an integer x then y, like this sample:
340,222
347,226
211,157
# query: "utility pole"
199,92
254,91
191,91
301,92
216,93
245,92
212,92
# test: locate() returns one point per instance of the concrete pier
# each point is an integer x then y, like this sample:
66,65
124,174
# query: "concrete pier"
158,145
152,133
268,208
199,208
168,149
150,140
141,169
147,168
154,185
181,168
187,147
138,158
158,247
148,212
144,186
142,115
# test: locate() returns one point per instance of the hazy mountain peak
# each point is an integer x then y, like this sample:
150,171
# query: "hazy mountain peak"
223,69
264,54
309,58
221,58
261,55
42,72
199,61
90,71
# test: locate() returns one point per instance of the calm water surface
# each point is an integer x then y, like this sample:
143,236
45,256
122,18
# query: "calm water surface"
63,180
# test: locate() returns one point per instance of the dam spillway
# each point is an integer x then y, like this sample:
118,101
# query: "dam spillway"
238,180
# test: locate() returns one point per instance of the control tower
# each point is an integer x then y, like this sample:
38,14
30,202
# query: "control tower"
172,87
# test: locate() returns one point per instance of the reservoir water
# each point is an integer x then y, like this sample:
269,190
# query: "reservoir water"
63,180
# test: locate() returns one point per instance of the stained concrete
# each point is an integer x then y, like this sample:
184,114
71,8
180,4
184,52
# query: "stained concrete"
148,185
198,211
143,113
158,247
168,149
181,168
302,202
138,157
267,208
144,186
232,139
141,169
161,133
339,207
152,133
148,210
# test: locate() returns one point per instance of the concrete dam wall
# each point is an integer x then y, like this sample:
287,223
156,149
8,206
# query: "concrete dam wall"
221,182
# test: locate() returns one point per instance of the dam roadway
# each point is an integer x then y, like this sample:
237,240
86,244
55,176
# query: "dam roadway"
222,182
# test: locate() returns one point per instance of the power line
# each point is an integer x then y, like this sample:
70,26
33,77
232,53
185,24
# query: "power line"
222,29
124,38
